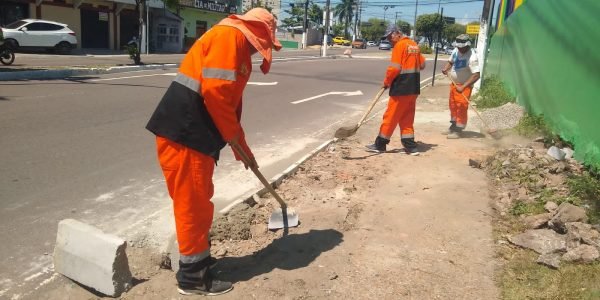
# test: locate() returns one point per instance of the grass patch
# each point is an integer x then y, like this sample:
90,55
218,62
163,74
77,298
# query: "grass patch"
587,188
493,93
532,126
523,278
527,208
425,49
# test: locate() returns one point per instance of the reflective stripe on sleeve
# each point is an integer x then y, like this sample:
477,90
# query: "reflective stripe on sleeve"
188,82
409,71
396,65
217,73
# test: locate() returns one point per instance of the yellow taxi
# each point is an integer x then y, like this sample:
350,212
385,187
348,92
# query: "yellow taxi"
340,40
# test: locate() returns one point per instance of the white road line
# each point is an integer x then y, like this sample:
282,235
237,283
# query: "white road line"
356,93
262,83
138,76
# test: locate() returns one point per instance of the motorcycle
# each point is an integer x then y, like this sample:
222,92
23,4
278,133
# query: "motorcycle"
7,56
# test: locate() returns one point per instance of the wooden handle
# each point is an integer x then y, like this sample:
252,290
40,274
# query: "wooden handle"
472,107
371,106
237,148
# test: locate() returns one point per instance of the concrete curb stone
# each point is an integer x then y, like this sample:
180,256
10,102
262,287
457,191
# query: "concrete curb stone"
71,72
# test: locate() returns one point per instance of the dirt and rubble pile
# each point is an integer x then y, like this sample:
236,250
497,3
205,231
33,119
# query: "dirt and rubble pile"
531,187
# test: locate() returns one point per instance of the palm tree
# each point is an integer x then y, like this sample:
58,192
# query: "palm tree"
344,11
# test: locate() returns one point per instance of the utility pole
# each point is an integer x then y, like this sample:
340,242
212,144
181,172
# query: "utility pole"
482,38
304,25
326,31
435,45
355,35
413,33
396,19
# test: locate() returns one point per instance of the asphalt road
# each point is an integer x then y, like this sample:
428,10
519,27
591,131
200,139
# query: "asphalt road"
78,149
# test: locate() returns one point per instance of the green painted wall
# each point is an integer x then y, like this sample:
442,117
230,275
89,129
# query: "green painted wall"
191,15
548,54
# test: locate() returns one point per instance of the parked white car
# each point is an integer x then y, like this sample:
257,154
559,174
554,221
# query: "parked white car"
39,34
371,43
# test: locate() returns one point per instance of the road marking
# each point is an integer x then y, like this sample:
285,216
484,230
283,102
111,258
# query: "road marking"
263,83
356,93
138,76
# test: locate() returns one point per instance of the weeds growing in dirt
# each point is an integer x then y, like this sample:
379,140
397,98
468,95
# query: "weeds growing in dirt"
493,93
523,278
587,188
527,208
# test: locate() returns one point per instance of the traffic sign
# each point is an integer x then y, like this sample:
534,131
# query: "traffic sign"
473,29
450,20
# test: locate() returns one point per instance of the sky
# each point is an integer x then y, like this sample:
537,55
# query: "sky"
464,11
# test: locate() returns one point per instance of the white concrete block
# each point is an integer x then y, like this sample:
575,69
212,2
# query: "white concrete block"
89,256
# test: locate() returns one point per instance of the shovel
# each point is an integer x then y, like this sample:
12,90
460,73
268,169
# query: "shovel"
284,218
349,131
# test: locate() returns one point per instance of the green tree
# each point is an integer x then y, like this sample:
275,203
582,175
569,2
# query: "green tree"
260,4
338,29
296,15
315,14
403,26
373,29
453,30
344,11
428,26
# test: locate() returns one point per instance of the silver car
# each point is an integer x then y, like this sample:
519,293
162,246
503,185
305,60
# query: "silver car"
385,45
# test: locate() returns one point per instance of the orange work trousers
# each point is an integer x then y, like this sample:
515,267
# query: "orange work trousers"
459,106
188,174
400,112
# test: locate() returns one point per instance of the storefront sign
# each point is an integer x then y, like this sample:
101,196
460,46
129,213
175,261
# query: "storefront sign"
210,6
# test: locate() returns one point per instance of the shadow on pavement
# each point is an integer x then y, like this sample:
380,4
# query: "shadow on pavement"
472,135
287,253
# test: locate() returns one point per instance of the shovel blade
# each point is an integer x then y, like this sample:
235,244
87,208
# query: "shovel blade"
345,132
283,219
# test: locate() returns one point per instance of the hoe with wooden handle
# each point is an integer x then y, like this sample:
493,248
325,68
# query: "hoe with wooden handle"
349,131
284,218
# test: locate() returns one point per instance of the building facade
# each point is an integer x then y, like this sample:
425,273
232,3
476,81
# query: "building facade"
102,24
201,15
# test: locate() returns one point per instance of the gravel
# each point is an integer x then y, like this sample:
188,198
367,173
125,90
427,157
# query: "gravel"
503,117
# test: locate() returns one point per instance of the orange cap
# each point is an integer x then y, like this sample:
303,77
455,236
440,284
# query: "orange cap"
258,26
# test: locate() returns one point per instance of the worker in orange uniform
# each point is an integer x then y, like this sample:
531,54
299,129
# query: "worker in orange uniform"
464,68
403,80
197,116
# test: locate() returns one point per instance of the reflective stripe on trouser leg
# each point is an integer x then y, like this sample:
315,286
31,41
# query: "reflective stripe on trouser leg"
391,119
461,105
188,174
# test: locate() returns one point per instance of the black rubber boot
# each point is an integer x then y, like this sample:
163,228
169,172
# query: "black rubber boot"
197,279
410,146
379,146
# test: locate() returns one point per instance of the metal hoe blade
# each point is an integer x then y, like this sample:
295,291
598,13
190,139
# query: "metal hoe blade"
283,218
345,132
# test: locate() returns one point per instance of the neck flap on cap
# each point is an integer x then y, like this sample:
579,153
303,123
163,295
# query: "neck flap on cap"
258,26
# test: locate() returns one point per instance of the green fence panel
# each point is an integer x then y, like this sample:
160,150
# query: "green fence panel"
289,44
548,55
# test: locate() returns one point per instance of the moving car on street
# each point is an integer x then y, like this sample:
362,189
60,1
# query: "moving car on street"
39,34
385,45
340,40
359,44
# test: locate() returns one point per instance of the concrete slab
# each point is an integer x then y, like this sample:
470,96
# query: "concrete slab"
89,256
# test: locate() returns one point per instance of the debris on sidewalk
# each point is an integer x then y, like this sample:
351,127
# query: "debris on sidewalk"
528,183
